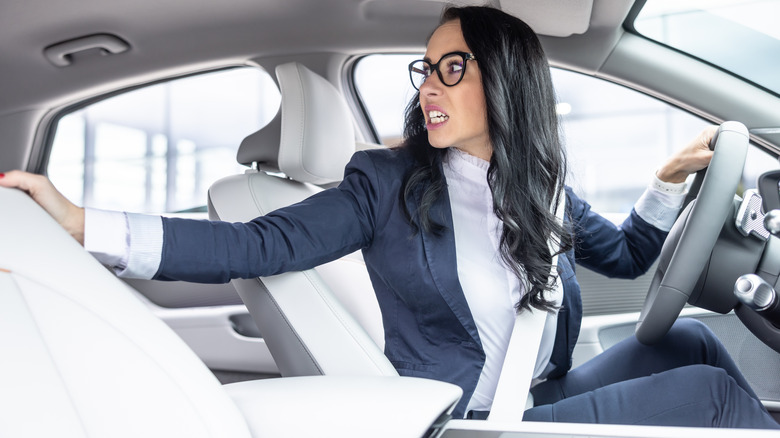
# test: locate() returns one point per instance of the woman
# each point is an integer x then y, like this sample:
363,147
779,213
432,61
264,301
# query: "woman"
454,227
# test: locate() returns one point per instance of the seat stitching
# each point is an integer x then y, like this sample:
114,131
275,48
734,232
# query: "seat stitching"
46,345
120,332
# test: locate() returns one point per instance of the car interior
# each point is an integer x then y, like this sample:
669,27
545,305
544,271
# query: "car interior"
315,122
302,353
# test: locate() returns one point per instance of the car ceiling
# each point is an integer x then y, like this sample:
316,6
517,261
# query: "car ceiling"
177,37
173,37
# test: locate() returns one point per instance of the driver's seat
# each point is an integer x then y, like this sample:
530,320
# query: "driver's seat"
324,321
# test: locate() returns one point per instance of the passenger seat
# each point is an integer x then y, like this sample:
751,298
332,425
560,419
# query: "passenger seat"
84,358
324,321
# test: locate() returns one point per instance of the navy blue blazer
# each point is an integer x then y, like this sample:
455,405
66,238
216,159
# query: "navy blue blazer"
429,330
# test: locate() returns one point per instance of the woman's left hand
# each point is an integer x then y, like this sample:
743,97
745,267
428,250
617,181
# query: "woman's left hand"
695,156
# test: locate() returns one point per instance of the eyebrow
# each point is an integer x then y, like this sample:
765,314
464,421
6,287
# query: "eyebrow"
429,61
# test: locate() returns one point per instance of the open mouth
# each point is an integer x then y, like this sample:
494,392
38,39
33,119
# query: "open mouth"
436,117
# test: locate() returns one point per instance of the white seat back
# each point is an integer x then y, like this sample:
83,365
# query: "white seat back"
311,326
81,355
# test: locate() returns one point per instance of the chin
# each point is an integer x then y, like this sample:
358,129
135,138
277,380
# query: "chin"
438,143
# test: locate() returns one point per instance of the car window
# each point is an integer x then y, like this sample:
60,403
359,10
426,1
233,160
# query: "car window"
158,148
615,137
739,36
385,104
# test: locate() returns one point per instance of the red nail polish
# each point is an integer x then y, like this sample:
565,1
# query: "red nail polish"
2,175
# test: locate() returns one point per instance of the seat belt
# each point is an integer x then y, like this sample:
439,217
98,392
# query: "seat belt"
513,395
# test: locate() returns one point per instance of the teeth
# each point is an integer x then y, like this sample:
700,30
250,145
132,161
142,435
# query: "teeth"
437,116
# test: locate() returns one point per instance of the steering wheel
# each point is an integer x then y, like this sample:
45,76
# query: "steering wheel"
689,245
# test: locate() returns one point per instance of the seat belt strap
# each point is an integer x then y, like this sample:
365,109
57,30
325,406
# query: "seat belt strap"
514,383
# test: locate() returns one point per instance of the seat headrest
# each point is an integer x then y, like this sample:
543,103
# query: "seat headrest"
262,147
313,133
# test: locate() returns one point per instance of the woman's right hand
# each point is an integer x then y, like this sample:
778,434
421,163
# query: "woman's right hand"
69,215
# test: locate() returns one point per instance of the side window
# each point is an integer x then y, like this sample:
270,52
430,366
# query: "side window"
615,137
158,149
384,86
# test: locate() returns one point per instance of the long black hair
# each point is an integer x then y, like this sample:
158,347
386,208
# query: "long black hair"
528,164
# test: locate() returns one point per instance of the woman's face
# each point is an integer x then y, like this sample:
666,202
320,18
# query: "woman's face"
455,116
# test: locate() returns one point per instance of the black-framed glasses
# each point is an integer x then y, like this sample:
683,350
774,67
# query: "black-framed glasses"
453,65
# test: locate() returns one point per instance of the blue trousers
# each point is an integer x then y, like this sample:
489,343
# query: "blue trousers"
688,379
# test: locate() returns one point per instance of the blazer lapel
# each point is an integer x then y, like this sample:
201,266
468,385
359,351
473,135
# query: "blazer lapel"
442,261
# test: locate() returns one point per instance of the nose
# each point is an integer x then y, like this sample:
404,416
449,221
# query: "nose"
432,85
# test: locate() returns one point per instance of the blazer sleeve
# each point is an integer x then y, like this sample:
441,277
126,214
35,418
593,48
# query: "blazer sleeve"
319,229
625,251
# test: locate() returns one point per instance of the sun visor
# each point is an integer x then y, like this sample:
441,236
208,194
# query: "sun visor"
557,18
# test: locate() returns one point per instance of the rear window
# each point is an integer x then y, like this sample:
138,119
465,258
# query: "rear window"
157,149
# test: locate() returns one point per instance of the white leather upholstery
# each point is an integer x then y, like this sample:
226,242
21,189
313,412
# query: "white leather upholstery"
318,137
319,406
262,147
314,130
81,356
311,326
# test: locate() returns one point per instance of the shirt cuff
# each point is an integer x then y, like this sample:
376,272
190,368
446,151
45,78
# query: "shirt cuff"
106,236
145,241
660,203
667,187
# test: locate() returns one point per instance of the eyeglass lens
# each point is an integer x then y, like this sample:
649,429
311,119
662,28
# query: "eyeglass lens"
450,69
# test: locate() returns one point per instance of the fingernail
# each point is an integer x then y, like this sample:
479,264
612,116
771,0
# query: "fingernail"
2,175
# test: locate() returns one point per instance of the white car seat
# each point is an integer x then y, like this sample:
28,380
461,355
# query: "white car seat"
83,357
318,322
